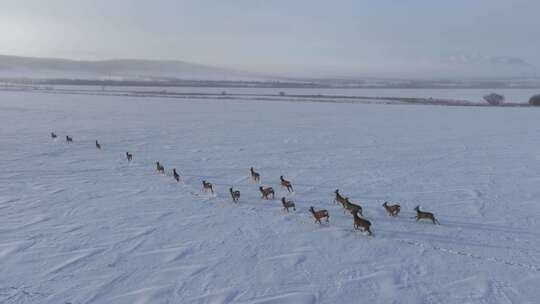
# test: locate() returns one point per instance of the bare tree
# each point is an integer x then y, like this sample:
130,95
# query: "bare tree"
535,100
494,99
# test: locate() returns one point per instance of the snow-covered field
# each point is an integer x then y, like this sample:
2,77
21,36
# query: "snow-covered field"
472,95
80,225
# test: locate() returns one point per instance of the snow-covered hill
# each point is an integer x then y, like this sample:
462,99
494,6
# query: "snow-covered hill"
81,225
117,69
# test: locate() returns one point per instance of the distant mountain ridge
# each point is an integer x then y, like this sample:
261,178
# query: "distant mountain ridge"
483,66
481,72
18,66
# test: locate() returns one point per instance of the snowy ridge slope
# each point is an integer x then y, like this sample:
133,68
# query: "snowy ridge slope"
115,69
80,225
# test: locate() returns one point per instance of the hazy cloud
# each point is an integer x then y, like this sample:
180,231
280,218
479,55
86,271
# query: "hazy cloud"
409,38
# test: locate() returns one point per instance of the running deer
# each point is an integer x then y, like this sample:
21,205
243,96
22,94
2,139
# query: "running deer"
254,175
98,146
207,186
285,183
360,222
265,192
352,208
235,195
392,210
288,204
318,215
53,136
176,175
339,199
425,215
129,156
69,139
160,168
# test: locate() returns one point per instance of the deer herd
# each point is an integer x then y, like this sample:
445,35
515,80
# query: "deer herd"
359,223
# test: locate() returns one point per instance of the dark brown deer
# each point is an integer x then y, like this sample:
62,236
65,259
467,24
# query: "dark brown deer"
352,208
254,175
69,139
285,183
98,146
207,186
129,156
361,223
393,210
160,168
265,192
425,215
176,175
235,195
318,215
53,136
339,199
288,204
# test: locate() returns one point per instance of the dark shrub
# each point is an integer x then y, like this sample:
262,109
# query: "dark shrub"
535,100
494,99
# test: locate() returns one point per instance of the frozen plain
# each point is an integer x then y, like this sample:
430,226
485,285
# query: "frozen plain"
79,225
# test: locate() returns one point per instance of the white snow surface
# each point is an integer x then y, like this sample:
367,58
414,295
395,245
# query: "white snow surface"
81,225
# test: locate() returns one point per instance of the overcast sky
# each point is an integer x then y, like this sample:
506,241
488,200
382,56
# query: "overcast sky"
300,37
